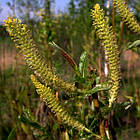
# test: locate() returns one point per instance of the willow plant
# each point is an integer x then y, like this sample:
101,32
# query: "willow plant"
21,36
47,82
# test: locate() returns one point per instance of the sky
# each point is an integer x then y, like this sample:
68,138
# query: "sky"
60,5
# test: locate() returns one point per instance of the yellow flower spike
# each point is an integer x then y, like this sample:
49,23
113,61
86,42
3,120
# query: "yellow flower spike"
21,35
49,98
127,16
108,41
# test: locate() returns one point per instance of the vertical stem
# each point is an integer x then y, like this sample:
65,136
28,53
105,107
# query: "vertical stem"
136,93
107,6
101,126
48,7
101,120
105,64
48,50
28,11
4,52
99,64
107,129
95,99
121,34
113,16
104,123
13,8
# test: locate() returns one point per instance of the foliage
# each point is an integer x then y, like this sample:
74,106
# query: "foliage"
90,95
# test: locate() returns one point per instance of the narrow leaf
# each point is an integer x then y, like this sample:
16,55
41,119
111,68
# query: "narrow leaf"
134,44
29,122
83,64
12,134
105,86
65,55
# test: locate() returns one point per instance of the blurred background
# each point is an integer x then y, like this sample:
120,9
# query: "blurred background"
68,23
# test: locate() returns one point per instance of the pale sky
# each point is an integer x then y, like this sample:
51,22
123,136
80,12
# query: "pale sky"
60,5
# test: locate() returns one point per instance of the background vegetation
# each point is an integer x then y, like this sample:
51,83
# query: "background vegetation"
22,114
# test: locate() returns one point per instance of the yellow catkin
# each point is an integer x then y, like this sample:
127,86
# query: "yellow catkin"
127,16
22,38
47,95
105,34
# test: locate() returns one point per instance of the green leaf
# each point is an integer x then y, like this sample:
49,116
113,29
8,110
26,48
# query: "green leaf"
65,55
12,134
99,87
83,64
55,126
34,124
27,113
98,80
134,44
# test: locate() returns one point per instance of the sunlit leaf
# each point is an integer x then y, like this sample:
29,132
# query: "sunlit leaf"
83,64
134,44
99,87
65,135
